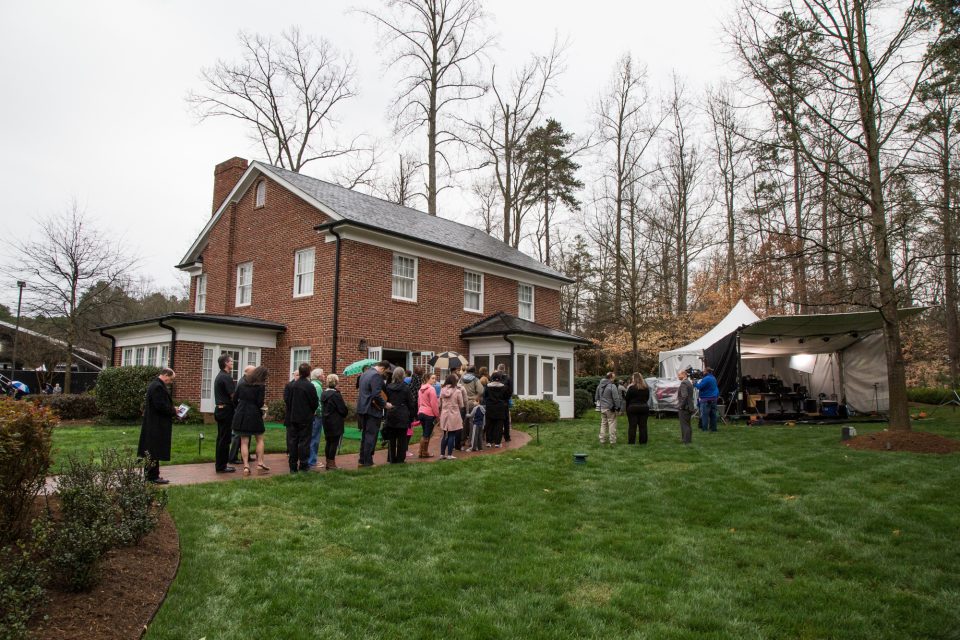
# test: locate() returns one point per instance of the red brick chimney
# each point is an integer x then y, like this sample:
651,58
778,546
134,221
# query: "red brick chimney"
225,178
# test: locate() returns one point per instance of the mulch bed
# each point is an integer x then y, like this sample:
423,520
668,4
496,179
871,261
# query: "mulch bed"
133,584
912,441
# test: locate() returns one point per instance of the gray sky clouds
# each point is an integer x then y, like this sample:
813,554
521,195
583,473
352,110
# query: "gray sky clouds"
93,96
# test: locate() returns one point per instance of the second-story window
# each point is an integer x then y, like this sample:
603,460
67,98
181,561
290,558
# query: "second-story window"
261,193
303,262
201,305
244,283
525,301
472,291
404,277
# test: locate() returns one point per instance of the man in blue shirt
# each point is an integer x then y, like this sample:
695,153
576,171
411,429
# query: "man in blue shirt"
709,392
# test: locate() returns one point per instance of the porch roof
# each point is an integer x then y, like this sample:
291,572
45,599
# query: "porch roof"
240,321
504,324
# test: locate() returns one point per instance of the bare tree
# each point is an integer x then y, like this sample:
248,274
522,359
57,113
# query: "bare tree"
487,195
437,44
499,135
73,270
286,91
402,188
871,74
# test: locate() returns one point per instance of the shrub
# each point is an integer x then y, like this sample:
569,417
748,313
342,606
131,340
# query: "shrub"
588,384
582,402
540,411
69,406
23,578
25,442
929,395
351,411
276,410
103,505
121,390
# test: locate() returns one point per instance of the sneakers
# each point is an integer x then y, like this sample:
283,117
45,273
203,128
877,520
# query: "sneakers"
451,457
497,445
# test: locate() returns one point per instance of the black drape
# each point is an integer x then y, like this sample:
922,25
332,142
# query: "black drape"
722,358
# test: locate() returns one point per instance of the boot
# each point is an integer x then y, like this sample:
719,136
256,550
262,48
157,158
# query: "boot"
425,448
331,464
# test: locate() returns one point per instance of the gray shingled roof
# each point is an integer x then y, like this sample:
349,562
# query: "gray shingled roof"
410,223
501,323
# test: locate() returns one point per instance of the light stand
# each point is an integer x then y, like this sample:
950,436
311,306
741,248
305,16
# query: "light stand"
16,334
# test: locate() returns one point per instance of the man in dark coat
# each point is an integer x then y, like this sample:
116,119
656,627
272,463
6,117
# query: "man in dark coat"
156,431
301,401
370,406
223,388
508,383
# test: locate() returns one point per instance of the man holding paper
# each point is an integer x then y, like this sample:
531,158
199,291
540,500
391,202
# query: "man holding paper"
156,431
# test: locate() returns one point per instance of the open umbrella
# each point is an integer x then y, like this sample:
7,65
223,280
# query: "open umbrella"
19,386
358,366
449,360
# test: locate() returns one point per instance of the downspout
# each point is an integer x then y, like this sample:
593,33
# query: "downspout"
336,291
173,343
113,344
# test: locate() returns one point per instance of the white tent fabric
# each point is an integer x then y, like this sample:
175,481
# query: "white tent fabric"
691,355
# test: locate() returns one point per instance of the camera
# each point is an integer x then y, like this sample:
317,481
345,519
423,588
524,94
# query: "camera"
694,374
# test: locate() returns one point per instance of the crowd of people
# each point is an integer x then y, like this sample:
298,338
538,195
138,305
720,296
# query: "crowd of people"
614,398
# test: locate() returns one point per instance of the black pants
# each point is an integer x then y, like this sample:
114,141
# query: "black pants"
298,445
506,428
494,429
637,418
368,442
224,420
396,438
332,444
234,455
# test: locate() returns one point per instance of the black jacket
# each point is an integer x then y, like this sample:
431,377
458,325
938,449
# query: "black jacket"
301,399
334,412
223,389
496,398
401,415
637,398
248,399
156,431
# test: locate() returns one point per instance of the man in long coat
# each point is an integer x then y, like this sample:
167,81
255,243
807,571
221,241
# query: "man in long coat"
156,432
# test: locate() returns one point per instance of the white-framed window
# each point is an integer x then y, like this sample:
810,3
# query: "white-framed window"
164,356
206,376
532,375
299,355
564,376
152,357
201,304
404,277
525,301
472,291
520,380
261,198
244,283
139,361
253,357
303,262
126,359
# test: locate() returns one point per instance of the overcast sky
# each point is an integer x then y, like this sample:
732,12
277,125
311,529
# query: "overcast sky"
93,103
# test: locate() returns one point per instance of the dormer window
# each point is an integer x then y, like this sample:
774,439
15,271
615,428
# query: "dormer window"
261,198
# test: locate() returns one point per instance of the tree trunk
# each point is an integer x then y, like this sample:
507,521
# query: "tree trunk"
508,177
432,152
949,262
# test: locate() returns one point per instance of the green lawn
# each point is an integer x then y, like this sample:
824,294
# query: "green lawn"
91,439
759,532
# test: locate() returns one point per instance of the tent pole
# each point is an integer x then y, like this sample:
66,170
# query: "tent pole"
737,387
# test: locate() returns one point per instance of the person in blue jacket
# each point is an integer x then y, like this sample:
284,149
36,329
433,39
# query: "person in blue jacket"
709,392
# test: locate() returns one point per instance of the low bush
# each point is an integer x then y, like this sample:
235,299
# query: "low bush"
588,384
929,395
582,402
121,391
103,505
540,411
69,406
276,411
25,443
24,573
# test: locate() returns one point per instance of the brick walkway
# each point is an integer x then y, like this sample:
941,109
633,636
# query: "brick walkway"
183,474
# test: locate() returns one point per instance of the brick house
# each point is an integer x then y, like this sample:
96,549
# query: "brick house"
292,269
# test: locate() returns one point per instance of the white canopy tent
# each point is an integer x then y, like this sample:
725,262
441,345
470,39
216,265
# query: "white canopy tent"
691,355
839,355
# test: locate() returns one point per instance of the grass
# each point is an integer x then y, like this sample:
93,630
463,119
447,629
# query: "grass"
752,532
90,439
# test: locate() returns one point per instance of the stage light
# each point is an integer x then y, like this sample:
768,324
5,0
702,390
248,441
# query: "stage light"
826,338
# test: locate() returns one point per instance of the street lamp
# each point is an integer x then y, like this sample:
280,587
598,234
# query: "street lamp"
16,334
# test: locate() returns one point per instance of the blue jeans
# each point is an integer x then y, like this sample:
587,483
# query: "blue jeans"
368,443
426,424
315,439
708,414
448,443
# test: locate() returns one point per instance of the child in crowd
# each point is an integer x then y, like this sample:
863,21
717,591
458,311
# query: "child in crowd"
477,416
